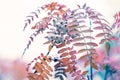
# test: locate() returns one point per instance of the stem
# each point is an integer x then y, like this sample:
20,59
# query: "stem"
107,66
105,78
88,77
50,50
91,70
106,72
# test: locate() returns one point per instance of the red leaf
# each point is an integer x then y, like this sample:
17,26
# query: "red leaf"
69,68
47,72
64,60
72,63
105,25
93,17
70,48
94,66
108,29
72,52
64,55
97,22
84,50
47,58
98,28
73,57
87,63
74,32
84,56
44,76
102,41
91,44
69,63
62,50
101,28
79,6
60,45
86,31
76,73
79,44
49,68
113,38
81,51
72,25
40,66
84,72
43,62
77,39
101,34
65,49
34,27
89,37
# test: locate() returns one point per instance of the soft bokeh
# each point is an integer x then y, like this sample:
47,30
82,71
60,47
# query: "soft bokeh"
12,70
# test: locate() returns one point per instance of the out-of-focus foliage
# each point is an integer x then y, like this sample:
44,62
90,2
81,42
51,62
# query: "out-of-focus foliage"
12,70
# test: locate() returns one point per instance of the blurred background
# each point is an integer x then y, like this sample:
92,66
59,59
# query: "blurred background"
13,40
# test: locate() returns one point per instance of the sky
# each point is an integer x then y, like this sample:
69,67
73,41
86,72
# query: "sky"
12,15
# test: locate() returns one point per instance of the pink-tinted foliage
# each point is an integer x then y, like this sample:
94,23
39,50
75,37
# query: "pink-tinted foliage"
115,57
117,20
100,56
15,69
